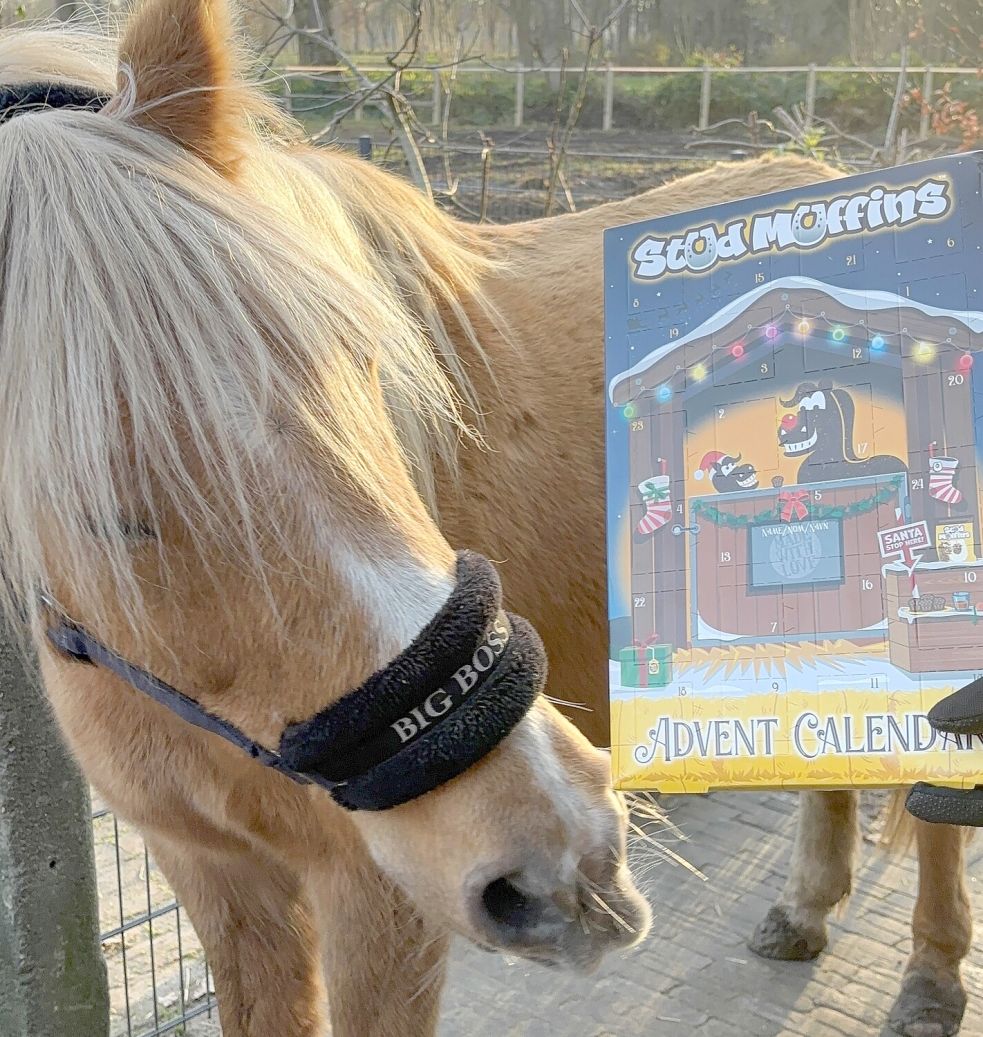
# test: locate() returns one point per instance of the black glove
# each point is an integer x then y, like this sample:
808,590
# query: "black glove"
960,713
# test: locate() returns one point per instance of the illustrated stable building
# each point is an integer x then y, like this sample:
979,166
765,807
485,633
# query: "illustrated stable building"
794,505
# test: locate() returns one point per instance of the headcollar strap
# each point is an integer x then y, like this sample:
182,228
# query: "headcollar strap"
439,707
22,98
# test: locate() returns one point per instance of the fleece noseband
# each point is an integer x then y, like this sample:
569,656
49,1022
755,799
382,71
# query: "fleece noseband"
439,707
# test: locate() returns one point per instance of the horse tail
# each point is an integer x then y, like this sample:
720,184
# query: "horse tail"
897,834
847,412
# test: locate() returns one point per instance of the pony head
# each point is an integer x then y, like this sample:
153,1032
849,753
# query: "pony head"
230,366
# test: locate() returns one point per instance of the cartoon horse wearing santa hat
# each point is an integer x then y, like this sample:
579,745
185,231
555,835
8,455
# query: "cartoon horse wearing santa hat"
727,473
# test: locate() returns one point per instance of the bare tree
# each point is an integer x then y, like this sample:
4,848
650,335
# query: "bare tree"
383,95
560,136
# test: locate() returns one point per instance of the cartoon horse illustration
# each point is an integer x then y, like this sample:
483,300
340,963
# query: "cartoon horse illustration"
727,473
822,432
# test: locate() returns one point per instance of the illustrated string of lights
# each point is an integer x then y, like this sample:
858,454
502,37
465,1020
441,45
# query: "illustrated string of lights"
838,333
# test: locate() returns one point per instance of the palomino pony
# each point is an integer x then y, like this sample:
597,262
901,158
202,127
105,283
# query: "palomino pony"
219,378
511,321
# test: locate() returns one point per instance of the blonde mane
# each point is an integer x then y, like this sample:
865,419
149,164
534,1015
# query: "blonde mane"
169,337
58,53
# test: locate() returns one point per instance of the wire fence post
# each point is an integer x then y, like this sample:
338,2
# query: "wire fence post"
608,120
437,102
810,95
927,88
520,95
705,98
52,973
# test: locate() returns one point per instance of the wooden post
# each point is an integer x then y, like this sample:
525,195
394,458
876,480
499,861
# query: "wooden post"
288,96
810,95
520,92
359,110
52,973
927,88
705,98
486,159
437,101
608,121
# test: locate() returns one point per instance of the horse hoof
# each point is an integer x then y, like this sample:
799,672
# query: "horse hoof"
776,937
929,1006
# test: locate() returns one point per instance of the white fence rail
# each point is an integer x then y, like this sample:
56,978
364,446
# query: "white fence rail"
610,74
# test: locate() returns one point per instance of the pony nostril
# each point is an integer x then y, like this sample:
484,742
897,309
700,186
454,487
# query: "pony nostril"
508,906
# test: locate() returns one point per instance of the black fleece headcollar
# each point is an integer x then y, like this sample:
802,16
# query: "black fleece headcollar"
436,709
22,98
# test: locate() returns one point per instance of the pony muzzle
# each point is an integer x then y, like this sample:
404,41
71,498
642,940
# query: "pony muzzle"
573,923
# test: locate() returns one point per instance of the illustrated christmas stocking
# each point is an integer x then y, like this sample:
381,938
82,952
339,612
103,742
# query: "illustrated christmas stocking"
942,471
658,506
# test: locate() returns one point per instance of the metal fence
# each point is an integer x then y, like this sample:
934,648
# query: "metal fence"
158,976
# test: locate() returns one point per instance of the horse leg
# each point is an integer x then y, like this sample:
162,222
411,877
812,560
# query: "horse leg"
252,918
932,999
383,966
820,875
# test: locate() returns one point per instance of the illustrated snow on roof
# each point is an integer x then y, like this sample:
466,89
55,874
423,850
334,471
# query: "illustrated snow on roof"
800,306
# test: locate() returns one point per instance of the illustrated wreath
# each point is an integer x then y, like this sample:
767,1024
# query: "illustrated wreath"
705,509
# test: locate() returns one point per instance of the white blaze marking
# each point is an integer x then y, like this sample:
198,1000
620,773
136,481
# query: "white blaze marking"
401,596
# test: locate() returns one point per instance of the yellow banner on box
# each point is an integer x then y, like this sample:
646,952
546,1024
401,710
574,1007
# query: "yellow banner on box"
795,739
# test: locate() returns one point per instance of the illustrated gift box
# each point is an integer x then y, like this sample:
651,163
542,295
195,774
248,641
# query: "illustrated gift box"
646,664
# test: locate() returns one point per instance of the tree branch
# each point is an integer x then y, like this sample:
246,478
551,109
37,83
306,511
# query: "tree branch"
594,34
384,96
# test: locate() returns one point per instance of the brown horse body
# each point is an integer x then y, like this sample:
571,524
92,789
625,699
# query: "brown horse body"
545,422
278,880
542,398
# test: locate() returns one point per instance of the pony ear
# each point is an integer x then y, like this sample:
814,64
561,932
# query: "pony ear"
179,59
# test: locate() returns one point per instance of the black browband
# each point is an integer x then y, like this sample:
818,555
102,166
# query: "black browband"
440,706
22,98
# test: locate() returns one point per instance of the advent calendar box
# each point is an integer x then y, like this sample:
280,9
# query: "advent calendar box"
795,427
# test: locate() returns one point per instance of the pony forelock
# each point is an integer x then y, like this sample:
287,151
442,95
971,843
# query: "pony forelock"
164,332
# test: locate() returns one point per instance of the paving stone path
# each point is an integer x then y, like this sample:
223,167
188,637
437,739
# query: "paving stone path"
695,975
